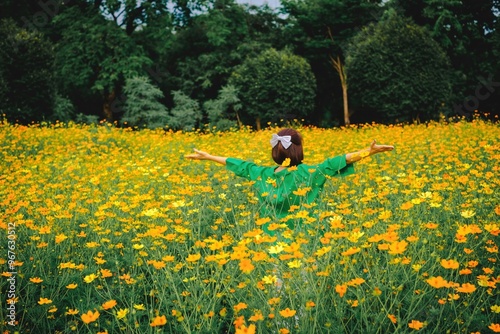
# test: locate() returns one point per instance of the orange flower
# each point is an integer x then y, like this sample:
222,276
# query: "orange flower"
466,288
106,273
36,280
416,325
245,330
341,289
158,321
495,327
240,306
437,282
246,266
90,317
397,247
392,317
449,264
287,313
109,304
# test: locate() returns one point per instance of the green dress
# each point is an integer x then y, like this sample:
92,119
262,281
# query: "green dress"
276,189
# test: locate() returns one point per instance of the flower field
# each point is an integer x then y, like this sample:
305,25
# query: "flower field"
108,230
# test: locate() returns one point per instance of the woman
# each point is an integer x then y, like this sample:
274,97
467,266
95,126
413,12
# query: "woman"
291,182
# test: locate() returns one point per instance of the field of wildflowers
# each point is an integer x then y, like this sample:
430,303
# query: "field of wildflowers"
109,230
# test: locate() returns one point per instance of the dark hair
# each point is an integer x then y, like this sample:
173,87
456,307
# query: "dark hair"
294,152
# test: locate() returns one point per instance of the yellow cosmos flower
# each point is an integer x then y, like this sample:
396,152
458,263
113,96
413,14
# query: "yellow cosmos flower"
36,280
89,278
121,313
286,162
71,286
44,301
193,257
71,312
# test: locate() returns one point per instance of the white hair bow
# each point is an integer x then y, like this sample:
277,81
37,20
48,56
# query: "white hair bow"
286,141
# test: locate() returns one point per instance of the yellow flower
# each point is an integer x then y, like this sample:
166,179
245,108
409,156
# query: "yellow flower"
122,313
286,162
44,301
495,309
36,280
71,286
72,312
294,264
139,307
467,213
89,278
193,257
271,279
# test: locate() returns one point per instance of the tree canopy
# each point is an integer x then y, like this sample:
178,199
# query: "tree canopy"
220,58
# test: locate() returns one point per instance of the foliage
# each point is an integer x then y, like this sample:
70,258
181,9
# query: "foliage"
142,106
223,112
396,69
94,56
186,113
118,223
26,74
64,110
321,29
275,85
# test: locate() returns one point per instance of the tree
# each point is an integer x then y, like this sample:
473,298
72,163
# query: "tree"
464,29
222,111
396,69
26,74
275,85
186,113
320,30
94,56
142,105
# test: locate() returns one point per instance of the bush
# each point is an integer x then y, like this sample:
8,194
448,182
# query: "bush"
186,114
395,68
275,85
142,107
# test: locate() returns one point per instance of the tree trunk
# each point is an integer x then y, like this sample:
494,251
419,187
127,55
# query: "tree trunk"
106,109
257,123
337,64
339,67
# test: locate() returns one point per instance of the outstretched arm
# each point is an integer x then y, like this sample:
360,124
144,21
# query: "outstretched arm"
200,155
373,149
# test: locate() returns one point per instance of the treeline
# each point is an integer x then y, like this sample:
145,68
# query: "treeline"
188,63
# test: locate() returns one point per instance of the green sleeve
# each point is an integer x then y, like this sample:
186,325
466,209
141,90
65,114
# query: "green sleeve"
242,168
336,166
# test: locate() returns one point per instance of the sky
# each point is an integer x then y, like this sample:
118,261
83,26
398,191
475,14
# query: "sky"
271,3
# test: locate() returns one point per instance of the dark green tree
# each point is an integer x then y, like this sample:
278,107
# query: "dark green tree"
396,69
464,29
94,57
275,85
320,30
27,90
